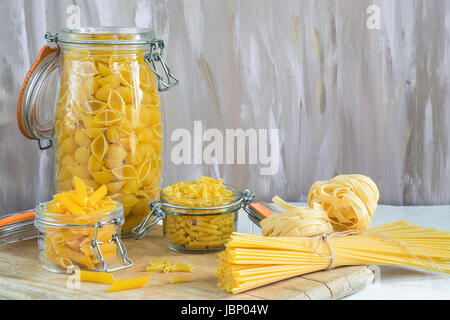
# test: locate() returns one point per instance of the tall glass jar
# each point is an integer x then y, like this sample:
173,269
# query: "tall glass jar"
105,123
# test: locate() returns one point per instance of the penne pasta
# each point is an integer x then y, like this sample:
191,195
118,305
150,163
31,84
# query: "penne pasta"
97,277
128,284
66,246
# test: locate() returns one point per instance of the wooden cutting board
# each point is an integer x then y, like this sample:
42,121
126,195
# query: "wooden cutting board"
23,277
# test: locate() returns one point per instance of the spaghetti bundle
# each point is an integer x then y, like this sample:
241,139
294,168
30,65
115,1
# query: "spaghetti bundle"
252,261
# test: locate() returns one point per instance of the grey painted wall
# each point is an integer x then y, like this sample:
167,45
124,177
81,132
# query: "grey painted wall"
345,98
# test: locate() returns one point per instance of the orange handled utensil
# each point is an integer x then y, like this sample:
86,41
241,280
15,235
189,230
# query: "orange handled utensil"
16,217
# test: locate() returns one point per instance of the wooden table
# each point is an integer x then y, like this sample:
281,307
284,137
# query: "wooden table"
23,277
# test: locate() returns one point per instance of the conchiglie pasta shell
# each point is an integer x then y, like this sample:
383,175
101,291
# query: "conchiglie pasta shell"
115,187
113,80
116,152
107,117
99,147
63,174
127,94
102,177
113,163
94,164
115,102
128,200
102,94
68,146
84,69
90,123
93,132
68,161
153,178
125,172
126,76
80,138
93,107
144,170
79,171
150,97
82,155
103,70
131,186
112,135
157,130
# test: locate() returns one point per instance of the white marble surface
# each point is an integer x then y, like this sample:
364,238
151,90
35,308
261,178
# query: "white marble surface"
398,283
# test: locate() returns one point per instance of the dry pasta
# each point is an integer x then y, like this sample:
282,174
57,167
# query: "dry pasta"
179,267
349,200
178,280
253,261
108,124
65,246
195,229
296,221
97,277
157,265
128,284
165,265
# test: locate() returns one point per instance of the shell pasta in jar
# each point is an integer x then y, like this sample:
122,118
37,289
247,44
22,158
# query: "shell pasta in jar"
108,126
105,123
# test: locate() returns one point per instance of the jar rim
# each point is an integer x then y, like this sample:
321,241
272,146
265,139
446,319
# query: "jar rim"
237,194
228,202
139,35
43,217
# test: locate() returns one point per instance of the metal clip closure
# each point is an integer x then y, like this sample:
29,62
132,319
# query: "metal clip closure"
247,198
95,247
142,228
155,55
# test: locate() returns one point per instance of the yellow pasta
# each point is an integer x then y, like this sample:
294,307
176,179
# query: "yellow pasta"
108,98
179,267
194,229
178,280
128,284
81,206
97,277
251,261
350,200
157,265
296,221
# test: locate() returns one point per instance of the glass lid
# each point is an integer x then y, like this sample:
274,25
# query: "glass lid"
106,35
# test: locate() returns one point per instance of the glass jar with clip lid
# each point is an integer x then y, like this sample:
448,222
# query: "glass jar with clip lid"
196,225
94,97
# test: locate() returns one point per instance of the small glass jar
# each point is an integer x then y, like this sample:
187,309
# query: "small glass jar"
196,225
87,242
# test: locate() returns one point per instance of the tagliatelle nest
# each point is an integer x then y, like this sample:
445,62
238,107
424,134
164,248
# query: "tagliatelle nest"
349,200
297,222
